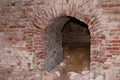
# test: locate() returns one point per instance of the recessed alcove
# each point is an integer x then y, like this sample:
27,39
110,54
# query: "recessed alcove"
67,34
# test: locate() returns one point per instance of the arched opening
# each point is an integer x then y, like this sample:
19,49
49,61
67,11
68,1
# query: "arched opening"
71,35
76,47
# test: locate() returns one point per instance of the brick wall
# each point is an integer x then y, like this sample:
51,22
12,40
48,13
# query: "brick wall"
15,37
53,43
103,50
25,23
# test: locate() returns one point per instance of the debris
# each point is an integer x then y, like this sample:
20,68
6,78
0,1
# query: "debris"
99,77
74,76
62,64
91,75
85,72
68,56
57,73
47,76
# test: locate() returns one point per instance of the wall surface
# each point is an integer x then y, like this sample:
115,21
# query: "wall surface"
23,25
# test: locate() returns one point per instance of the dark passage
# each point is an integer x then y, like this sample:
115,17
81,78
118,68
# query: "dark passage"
76,49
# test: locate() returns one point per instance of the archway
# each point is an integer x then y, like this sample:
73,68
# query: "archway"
53,40
76,47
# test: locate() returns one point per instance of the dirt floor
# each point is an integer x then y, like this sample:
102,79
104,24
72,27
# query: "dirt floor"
76,58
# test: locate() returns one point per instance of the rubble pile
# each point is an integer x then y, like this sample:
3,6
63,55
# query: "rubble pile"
85,75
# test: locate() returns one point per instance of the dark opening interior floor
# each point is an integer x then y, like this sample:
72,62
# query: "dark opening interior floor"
76,57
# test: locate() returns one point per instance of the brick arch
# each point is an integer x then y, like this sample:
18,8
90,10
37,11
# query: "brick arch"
53,40
32,17
47,16
81,10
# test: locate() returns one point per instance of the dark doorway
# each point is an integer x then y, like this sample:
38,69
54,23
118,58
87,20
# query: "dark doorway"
76,46
67,39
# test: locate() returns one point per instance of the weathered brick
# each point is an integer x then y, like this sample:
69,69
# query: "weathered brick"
113,48
115,41
27,34
108,5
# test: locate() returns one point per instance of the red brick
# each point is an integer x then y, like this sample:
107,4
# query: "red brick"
29,65
115,30
114,19
109,55
19,64
113,12
101,60
110,5
2,30
115,41
94,59
106,66
117,44
27,47
112,48
86,20
104,5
